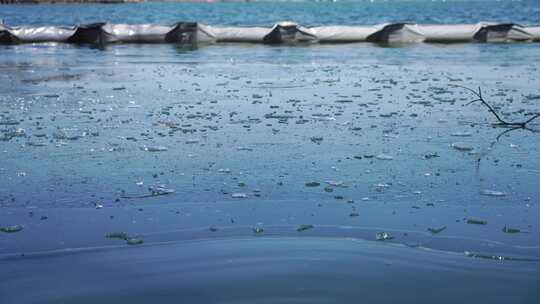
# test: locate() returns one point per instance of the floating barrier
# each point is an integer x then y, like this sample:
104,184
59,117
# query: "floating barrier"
283,32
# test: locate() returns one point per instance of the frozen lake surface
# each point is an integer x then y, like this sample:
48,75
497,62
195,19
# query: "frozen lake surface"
357,155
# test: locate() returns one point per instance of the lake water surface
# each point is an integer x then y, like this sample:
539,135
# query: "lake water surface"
264,174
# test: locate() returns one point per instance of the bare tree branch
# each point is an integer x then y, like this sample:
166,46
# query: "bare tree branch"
532,118
502,122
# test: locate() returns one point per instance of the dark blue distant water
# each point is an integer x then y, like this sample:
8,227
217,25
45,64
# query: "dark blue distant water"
265,13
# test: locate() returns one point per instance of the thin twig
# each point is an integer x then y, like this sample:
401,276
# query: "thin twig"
532,118
503,133
502,122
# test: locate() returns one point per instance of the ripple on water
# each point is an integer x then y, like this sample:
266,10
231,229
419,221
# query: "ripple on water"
267,270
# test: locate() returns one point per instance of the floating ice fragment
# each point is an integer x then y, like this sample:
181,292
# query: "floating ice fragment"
317,140
336,184
154,148
36,144
160,190
431,155
492,193
304,227
278,116
461,146
6,121
476,221
461,134
384,157
239,195
322,117
510,230
437,230
134,241
193,141
499,257
118,235
383,236
244,149
66,134
11,133
258,230
11,229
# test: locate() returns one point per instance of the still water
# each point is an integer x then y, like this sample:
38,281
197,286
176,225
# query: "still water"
249,173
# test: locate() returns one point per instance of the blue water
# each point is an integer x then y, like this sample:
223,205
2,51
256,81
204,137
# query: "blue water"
266,270
266,13
242,130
